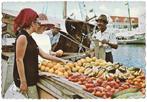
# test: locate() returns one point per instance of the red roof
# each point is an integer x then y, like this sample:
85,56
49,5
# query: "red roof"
122,19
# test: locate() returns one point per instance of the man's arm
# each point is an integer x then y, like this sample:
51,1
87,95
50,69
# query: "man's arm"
115,46
112,45
54,46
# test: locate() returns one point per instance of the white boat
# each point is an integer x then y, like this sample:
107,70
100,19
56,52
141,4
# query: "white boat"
131,38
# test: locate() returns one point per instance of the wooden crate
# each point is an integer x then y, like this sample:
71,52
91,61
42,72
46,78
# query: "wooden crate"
61,88
45,95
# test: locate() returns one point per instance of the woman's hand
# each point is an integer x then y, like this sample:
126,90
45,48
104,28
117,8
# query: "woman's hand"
59,53
23,87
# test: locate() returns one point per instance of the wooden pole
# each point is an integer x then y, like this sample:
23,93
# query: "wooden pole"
65,10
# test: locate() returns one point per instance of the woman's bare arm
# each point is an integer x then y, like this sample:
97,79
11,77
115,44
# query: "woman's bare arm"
50,57
21,45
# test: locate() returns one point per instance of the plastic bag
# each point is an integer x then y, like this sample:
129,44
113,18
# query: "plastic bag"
13,92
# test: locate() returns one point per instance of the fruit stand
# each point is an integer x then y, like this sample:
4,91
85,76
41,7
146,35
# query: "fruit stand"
61,88
90,78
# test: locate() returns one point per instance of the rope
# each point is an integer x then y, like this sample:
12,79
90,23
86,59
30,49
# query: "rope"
76,42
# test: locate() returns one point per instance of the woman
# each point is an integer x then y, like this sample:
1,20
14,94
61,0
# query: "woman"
26,55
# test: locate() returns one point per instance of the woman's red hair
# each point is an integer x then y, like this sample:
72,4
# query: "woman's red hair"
25,18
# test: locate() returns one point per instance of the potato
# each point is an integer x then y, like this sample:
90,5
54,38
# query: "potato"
66,74
81,70
46,69
54,63
67,67
56,72
83,60
79,63
42,68
94,58
74,69
57,66
61,69
50,65
69,71
70,64
39,66
44,62
60,73
51,70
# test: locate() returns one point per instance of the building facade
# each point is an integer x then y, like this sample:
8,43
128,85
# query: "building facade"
119,22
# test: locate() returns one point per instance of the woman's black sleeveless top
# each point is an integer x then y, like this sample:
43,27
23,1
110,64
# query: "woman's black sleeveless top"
30,61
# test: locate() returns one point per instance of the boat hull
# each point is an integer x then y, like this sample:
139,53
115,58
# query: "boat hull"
132,41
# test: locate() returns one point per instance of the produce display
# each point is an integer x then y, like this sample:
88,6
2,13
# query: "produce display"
55,68
101,78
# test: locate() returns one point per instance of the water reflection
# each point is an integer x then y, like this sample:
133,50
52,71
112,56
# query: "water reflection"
130,55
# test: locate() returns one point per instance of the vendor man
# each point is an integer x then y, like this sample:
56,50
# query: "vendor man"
106,36
42,39
54,35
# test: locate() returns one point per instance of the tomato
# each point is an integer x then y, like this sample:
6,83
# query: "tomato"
98,93
143,91
109,93
104,96
116,85
80,82
125,86
75,80
99,81
112,83
110,78
82,79
97,84
118,81
90,89
136,83
104,83
108,87
99,88
121,88
143,85
89,85
130,81
112,90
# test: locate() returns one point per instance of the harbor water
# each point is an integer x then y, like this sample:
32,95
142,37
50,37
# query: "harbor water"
130,55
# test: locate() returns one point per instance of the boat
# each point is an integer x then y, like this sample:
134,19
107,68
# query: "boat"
131,37
74,34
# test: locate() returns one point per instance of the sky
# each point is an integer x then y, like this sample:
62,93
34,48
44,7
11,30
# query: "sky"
55,8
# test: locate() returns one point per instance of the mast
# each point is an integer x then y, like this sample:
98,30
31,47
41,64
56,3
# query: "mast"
129,15
65,10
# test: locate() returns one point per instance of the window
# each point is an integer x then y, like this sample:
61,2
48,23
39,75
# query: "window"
132,20
126,20
117,19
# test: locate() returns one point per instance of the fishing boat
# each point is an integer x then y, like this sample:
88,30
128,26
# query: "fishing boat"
131,38
74,34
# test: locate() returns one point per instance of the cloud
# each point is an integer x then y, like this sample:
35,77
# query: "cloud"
135,12
103,8
117,11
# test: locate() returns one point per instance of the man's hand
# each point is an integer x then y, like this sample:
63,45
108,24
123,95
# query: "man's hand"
104,41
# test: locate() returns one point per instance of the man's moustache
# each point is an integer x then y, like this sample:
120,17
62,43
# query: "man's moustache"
99,25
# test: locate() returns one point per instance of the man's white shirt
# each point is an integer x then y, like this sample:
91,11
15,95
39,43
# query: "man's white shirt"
43,41
107,35
54,39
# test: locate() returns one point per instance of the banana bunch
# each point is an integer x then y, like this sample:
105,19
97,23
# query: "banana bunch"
134,72
91,71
